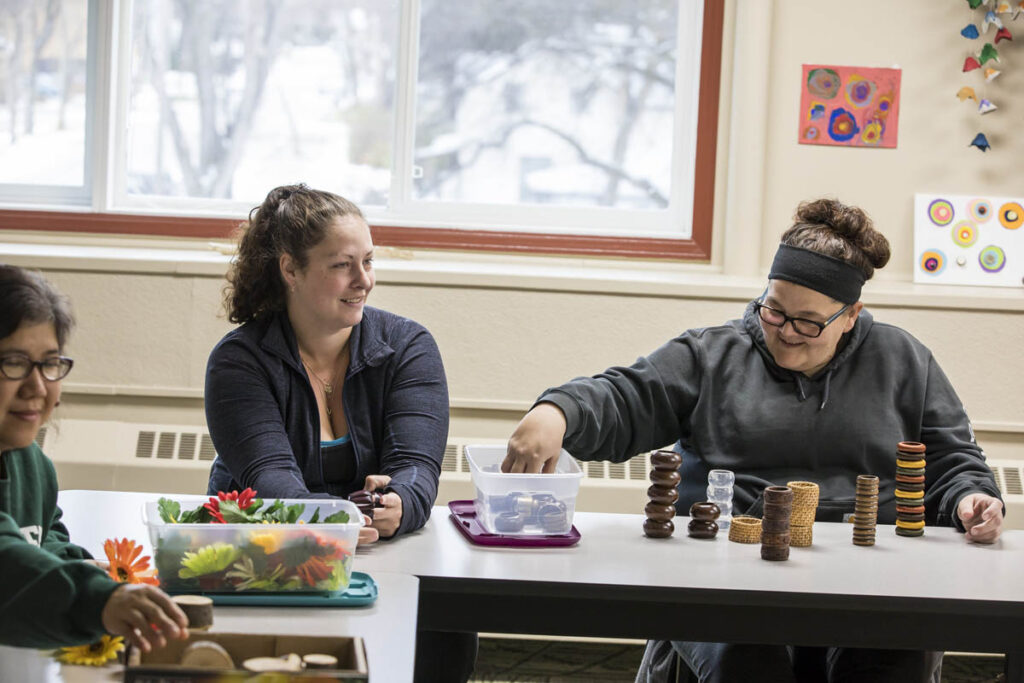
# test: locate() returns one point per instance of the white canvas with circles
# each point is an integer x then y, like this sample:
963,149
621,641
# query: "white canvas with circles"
969,240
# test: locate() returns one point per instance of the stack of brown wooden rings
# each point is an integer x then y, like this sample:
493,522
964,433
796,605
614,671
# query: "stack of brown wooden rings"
778,506
702,520
366,501
663,494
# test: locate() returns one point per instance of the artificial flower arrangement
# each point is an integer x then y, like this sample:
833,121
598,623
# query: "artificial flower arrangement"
253,557
125,566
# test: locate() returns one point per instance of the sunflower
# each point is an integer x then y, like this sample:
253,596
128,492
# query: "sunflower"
94,654
125,564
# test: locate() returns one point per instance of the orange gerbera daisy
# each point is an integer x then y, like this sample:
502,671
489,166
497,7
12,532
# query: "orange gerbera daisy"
125,564
314,570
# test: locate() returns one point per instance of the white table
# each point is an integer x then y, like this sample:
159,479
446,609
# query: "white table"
387,627
933,592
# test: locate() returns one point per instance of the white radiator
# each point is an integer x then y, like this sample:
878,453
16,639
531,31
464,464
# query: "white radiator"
123,456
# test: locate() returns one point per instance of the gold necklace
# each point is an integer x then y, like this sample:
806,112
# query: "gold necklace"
327,387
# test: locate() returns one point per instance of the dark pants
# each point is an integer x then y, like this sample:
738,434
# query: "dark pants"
725,662
445,656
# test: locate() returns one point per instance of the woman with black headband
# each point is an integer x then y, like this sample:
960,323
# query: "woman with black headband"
806,385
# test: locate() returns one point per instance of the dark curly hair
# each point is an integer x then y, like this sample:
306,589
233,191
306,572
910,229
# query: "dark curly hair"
27,297
830,227
291,220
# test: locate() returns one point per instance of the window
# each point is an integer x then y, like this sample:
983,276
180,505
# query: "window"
582,126
45,93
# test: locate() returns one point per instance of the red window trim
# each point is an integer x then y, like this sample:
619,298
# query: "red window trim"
696,248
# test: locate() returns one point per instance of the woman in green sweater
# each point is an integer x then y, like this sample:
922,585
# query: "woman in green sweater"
50,595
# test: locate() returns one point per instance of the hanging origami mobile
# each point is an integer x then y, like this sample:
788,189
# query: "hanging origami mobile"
975,4
990,20
981,142
967,93
1002,8
970,64
985,106
1018,10
1003,34
970,31
991,73
988,52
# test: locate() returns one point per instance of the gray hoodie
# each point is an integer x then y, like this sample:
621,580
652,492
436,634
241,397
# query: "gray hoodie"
719,392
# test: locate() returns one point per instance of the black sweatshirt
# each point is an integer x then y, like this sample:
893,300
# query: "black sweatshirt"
720,393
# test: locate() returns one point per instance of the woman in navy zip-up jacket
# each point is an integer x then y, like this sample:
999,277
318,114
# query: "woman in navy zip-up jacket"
317,395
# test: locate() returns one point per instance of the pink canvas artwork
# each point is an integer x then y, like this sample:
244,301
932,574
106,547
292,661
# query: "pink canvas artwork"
849,106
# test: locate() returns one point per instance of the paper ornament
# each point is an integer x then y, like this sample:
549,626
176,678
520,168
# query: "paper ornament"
1003,34
970,64
967,93
985,106
981,142
991,73
1018,9
1002,7
970,31
988,52
975,4
990,20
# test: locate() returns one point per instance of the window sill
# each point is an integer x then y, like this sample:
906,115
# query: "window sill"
396,266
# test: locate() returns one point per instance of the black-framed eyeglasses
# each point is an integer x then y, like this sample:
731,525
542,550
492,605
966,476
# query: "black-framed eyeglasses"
808,328
17,366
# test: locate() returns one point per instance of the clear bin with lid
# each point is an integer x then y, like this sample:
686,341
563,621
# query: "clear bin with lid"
255,557
523,504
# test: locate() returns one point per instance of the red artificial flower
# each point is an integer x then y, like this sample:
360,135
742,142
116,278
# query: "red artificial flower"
243,498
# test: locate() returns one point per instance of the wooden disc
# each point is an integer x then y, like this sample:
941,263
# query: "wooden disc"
290,662
206,654
198,609
316,660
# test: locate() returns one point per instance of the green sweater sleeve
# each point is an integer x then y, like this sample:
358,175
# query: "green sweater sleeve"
47,601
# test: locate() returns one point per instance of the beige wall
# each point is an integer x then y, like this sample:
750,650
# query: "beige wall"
510,326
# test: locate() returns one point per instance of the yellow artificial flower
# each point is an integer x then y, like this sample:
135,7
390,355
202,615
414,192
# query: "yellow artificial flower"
270,542
95,654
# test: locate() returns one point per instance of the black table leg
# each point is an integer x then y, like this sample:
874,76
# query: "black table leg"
1015,667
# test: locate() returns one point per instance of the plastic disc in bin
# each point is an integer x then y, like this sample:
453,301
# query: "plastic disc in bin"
523,504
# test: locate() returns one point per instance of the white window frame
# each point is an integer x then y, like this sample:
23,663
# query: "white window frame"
107,102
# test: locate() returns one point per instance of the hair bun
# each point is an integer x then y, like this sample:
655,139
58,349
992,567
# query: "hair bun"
850,223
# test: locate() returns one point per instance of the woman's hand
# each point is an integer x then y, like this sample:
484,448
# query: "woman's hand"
385,519
367,534
982,516
145,615
535,444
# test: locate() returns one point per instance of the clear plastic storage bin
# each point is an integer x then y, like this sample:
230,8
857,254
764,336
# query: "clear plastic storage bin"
523,504
256,557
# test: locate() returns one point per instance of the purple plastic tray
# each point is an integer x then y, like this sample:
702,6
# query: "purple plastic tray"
463,516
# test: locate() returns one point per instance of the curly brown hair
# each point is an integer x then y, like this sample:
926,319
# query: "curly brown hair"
830,227
291,220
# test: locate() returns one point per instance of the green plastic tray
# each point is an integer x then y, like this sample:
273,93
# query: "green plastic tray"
362,590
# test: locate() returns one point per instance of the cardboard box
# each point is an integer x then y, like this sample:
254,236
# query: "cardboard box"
161,666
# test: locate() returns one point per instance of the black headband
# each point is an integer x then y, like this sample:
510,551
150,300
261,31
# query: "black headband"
830,276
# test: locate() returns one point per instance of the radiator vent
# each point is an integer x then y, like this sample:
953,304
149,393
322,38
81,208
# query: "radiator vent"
187,446
451,455
165,445
206,451
1008,478
41,438
144,444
